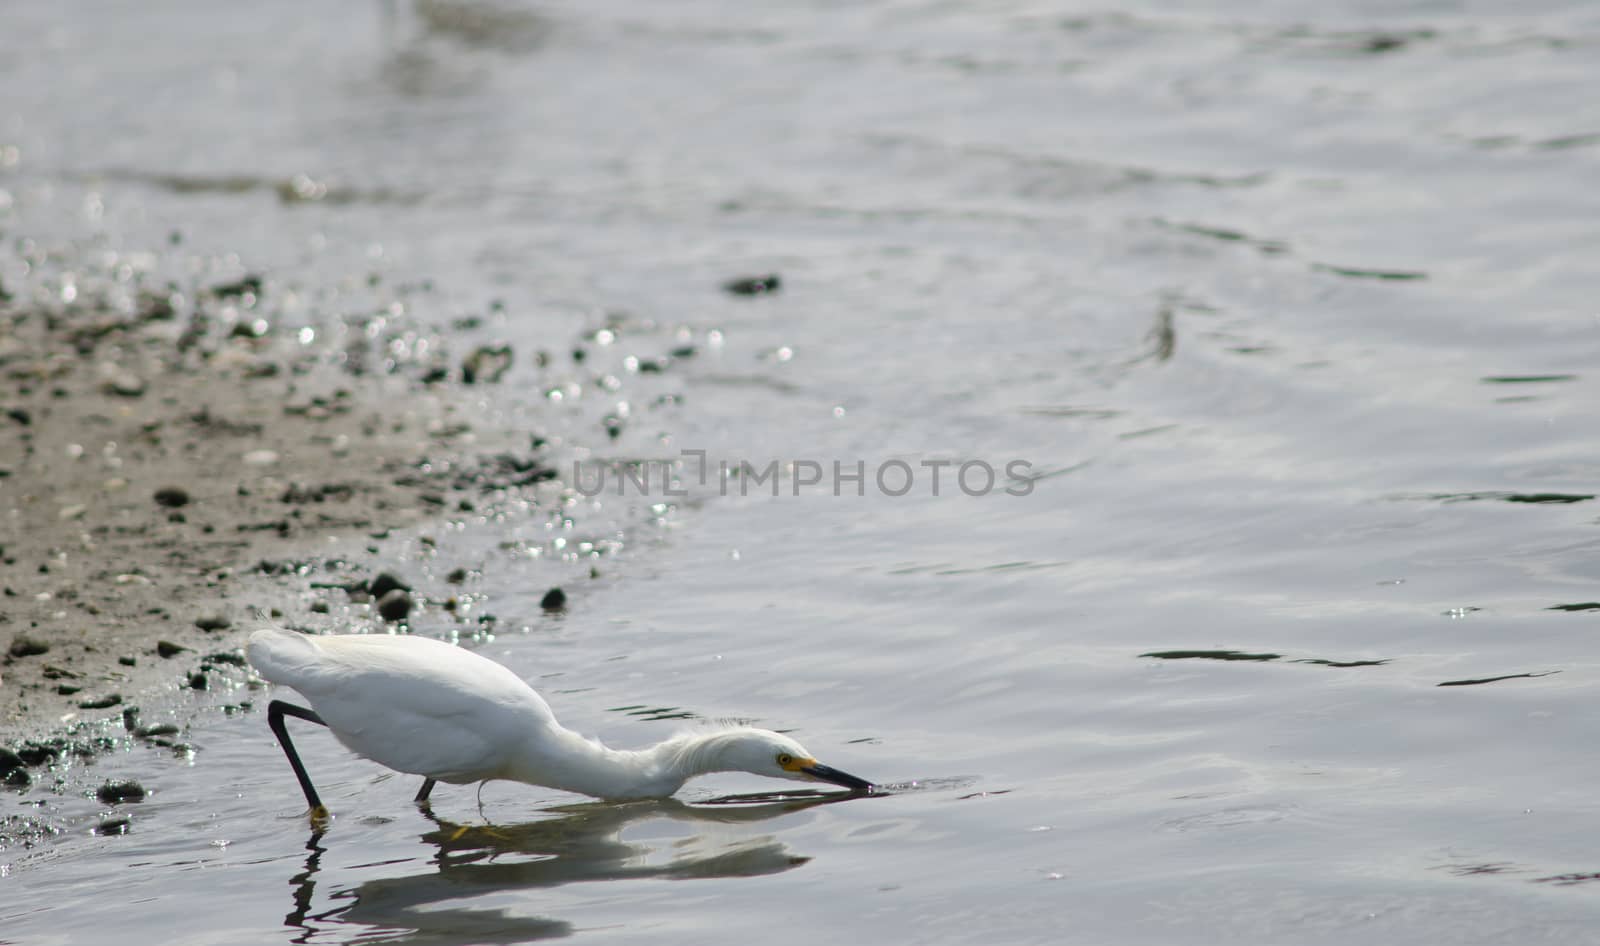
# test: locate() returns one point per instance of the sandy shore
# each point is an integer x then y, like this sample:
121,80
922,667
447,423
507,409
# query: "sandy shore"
167,462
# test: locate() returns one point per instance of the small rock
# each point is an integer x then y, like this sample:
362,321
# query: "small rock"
753,285
198,680
123,384
112,826
26,645
212,622
16,778
20,415
229,290
117,791
9,762
67,689
395,605
130,718
261,457
554,600
101,702
456,576
319,607
128,661
487,363
172,497
38,753
385,582
168,649
159,729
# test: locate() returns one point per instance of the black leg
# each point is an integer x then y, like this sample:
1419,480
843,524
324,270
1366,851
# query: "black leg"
422,793
276,711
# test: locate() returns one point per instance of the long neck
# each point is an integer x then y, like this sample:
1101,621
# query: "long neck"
560,758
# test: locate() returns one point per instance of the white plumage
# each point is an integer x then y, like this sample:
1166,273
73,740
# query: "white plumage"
432,709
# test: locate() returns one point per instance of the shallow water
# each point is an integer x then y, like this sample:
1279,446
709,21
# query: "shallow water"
1289,311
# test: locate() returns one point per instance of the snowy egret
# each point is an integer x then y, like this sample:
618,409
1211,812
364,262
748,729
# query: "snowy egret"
433,709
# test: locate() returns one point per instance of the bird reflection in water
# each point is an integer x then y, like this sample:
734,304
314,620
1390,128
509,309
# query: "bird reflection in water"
579,843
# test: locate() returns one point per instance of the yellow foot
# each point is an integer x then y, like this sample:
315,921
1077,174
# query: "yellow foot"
319,816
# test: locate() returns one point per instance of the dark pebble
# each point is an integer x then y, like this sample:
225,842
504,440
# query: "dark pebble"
198,680
456,576
67,689
130,718
385,582
227,290
101,702
395,605
172,496
159,729
16,778
225,657
554,600
38,753
212,622
487,363
25,645
684,351
169,649
113,826
20,415
319,607
128,661
753,285
9,762
123,790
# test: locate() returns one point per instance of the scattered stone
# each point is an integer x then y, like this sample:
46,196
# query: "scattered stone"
130,718
456,576
26,645
113,826
212,622
172,497
128,661
385,582
67,689
395,605
231,290
554,600
319,607
168,650
158,729
123,384
487,363
9,762
120,790
753,285
20,415
101,702
224,657
38,753
198,680
16,778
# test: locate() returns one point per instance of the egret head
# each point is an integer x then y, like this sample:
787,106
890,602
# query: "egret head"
764,752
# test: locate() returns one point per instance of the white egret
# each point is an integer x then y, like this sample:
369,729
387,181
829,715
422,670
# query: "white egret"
433,709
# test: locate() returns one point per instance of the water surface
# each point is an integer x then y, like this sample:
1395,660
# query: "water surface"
1289,310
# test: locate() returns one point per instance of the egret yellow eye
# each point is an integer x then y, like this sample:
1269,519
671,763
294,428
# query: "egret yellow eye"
785,760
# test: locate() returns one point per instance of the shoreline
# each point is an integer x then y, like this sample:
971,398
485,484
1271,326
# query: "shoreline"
174,468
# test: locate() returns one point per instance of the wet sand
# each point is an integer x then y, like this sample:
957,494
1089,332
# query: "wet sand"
173,472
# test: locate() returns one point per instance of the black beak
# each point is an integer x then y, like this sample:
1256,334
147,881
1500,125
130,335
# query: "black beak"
829,774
